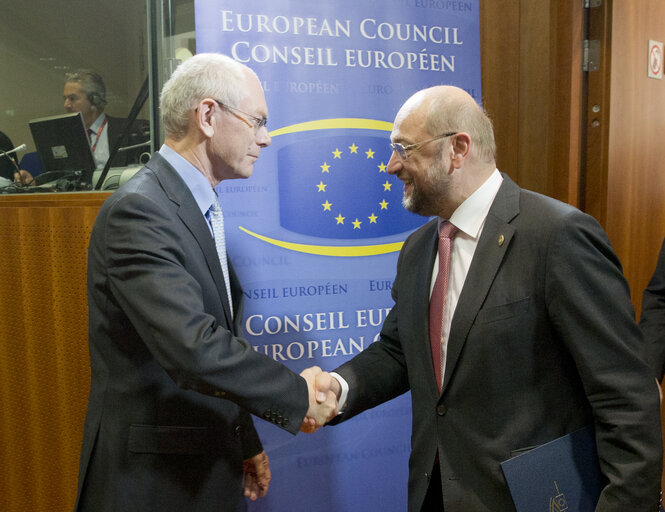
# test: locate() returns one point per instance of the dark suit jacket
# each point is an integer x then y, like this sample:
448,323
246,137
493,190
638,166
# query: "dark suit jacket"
542,342
652,319
137,133
173,383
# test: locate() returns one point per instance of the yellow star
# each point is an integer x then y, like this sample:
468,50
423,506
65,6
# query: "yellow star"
386,186
384,204
382,167
353,148
369,153
322,187
326,206
372,219
325,168
337,153
356,224
340,219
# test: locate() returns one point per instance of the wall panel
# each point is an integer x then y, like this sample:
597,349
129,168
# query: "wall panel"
532,89
635,219
45,374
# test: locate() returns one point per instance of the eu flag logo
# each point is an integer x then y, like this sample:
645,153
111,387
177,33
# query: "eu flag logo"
338,187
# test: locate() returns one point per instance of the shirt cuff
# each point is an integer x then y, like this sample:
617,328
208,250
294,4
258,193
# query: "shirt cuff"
345,391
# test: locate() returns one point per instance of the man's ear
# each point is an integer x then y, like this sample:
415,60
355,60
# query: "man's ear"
204,117
461,148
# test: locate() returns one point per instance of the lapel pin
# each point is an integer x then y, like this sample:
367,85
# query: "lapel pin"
501,239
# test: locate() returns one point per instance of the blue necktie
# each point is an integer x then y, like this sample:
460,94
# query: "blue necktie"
217,223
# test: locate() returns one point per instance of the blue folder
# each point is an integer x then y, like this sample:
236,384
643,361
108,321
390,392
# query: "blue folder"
562,475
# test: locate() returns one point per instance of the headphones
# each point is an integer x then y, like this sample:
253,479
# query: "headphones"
95,100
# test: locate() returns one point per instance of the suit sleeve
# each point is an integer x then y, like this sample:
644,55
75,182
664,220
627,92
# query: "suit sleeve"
148,276
652,319
251,443
379,372
589,303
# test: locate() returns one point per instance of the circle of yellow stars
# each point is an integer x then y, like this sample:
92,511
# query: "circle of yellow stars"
327,205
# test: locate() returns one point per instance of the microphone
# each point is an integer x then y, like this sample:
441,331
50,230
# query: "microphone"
22,147
141,144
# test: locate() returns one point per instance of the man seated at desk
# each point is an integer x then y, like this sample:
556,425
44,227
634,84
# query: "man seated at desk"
85,92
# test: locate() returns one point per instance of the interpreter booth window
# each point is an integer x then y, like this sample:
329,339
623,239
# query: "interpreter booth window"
75,94
173,40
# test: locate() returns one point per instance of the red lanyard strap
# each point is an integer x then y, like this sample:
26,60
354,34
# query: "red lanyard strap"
99,132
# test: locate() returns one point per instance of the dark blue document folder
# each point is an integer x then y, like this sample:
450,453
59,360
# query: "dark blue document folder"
562,475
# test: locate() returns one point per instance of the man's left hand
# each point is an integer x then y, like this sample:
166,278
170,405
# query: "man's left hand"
257,476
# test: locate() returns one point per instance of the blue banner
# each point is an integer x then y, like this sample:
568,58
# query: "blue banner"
314,234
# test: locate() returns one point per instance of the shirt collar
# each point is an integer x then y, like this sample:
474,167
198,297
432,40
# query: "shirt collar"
196,182
98,122
469,217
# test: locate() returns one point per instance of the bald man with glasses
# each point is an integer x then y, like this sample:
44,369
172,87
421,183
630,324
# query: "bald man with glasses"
512,326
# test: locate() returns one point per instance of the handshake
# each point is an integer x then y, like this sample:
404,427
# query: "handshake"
324,392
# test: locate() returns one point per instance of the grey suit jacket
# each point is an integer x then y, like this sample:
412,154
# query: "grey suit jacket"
542,342
173,382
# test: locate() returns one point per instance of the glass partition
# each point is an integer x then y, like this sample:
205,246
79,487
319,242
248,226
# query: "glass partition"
172,39
131,46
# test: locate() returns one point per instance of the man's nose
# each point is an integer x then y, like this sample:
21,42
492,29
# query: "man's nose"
263,137
395,163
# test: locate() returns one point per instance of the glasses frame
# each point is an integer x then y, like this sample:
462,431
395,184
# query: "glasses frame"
401,150
259,122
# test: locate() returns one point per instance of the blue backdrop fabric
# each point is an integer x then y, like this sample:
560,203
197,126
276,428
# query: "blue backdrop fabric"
314,234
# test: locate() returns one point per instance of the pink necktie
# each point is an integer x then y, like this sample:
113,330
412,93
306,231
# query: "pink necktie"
437,302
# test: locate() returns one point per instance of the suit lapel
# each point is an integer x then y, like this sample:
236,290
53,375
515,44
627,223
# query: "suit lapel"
422,284
492,247
418,263
237,297
190,214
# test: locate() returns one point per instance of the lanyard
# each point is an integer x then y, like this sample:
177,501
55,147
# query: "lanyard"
99,132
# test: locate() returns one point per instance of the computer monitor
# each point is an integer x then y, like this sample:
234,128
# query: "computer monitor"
64,147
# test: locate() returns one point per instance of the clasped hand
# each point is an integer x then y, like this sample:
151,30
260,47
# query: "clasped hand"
323,391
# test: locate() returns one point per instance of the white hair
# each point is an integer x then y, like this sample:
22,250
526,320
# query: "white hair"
205,75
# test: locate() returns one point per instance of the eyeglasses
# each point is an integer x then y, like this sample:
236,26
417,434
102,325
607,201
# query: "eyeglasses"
258,122
402,150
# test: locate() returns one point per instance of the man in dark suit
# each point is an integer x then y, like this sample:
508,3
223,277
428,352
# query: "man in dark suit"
168,426
85,92
652,319
538,336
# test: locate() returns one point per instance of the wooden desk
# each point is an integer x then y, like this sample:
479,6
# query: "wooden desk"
44,364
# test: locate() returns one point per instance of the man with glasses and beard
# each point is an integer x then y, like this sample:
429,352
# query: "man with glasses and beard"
512,326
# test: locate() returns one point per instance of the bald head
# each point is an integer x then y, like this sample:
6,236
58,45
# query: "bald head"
445,108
